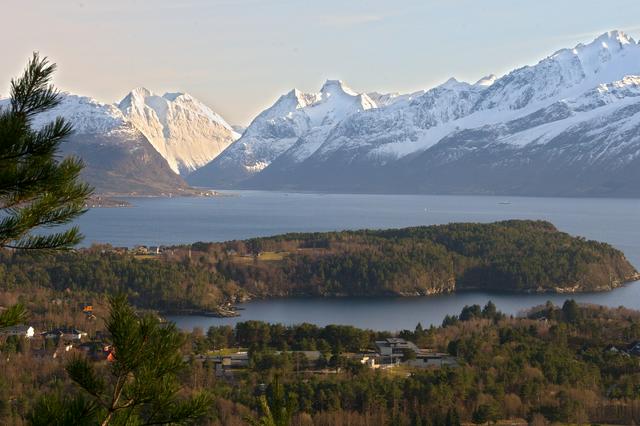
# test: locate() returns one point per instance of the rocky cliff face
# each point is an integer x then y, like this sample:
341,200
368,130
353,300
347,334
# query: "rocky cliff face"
187,133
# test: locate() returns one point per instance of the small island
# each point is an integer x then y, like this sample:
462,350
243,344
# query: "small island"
516,256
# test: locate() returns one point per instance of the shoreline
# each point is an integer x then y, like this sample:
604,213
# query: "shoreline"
400,313
119,200
221,312
236,307
634,278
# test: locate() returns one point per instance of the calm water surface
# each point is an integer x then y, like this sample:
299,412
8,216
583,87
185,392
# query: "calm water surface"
400,313
254,213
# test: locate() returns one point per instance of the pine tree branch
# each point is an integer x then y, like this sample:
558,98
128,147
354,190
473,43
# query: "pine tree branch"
37,190
41,143
14,315
31,93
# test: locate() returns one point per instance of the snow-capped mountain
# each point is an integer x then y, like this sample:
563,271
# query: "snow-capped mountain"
294,127
186,132
568,125
118,157
139,145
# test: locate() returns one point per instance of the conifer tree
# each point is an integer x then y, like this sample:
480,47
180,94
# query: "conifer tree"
38,190
138,387
277,410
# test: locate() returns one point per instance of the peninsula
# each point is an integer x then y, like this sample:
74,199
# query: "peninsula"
517,256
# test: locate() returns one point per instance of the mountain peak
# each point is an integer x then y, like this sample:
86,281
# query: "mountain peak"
486,81
141,91
453,83
136,95
331,87
185,131
293,93
611,40
292,100
615,36
175,95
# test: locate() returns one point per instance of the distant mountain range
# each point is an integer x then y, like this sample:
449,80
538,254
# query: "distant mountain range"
567,126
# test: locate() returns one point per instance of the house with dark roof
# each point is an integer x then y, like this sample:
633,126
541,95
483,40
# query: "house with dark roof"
432,360
393,349
634,348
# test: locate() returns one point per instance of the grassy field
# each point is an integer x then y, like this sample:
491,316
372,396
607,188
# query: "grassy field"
267,256
398,371
146,256
272,256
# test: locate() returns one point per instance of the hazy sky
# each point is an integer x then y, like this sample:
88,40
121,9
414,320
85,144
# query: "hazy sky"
238,56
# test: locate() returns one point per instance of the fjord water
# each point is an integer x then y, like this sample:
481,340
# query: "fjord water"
246,214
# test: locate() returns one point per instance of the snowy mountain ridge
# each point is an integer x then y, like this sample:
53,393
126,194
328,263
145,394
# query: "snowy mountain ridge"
420,122
184,131
574,115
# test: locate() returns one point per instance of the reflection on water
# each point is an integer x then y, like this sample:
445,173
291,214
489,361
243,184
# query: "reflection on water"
399,313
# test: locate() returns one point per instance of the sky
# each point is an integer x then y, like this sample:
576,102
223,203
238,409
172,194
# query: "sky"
238,56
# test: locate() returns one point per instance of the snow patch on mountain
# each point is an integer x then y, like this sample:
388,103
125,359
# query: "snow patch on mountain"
87,115
486,81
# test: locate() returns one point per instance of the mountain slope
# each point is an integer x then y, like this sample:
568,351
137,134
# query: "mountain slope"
568,125
118,158
187,133
294,126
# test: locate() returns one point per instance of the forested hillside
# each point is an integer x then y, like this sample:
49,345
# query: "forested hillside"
523,256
